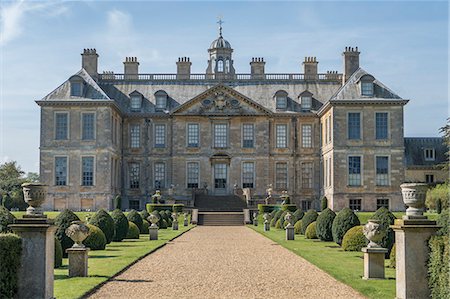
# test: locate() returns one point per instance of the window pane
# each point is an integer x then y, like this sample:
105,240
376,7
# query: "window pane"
429,154
88,120
354,171
160,135
161,102
383,202
135,136
306,135
220,65
306,103
75,89
134,175
281,102
192,174
382,171
160,174
248,172
281,136
220,135
136,102
61,171
281,176
307,170
381,119
87,171
61,126
355,204
354,124
247,133
134,204
367,88
193,130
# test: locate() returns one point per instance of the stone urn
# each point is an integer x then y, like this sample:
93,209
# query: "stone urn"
374,232
78,232
153,219
175,216
34,195
266,217
288,218
414,197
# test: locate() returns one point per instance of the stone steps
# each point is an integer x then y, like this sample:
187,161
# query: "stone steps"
221,218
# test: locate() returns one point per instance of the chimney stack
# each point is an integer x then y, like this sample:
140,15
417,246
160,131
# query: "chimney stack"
184,68
257,68
351,62
89,62
310,68
131,68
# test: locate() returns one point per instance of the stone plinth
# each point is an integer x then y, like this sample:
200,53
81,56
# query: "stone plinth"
247,216
78,261
35,277
374,262
411,254
266,226
175,225
194,216
185,222
290,232
153,232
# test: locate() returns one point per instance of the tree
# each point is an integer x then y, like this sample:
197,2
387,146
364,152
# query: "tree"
445,130
11,180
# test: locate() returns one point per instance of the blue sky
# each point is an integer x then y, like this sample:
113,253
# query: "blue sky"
404,44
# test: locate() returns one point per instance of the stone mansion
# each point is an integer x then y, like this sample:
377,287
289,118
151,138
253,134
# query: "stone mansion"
333,134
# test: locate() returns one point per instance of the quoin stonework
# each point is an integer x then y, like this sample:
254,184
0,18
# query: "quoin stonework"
332,133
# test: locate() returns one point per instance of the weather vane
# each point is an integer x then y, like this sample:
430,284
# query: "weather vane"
220,22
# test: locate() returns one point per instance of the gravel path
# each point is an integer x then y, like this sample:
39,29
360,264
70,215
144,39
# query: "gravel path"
224,262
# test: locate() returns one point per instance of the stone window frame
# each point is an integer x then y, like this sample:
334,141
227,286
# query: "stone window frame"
217,143
196,135
285,185
429,178
248,177
383,179
429,154
361,171
307,140
74,81
246,134
55,124
388,125
136,101
82,179
281,100
307,176
302,98
160,141
161,97
156,174
355,204
367,86
192,176
360,128
66,183
94,125
134,205
134,175
220,65
135,137
278,138
383,202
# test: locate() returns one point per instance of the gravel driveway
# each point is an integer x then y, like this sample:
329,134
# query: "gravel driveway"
224,262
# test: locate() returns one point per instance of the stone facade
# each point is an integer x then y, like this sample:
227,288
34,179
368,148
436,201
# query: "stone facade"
130,134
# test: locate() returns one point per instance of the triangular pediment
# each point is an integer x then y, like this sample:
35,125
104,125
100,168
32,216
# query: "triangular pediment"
220,100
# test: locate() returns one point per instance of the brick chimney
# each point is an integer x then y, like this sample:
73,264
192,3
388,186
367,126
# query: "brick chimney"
257,68
184,68
131,68
89,62
310,68
351,62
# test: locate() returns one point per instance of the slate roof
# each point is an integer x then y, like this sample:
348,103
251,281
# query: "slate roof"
414,151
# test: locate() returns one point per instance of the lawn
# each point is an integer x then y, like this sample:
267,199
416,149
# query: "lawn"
347,267
364,216
104,264
52,215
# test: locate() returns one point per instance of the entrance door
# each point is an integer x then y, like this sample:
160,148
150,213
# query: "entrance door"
220,178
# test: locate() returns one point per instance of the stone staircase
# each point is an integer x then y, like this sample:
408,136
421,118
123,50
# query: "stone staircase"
220,218
224,210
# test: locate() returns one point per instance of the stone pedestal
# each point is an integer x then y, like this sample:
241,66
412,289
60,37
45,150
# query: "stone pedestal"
35,277
194,216
78,261
290,232
255,221
153,232
411,254
374,262
266,226
185,222
247,216
175,225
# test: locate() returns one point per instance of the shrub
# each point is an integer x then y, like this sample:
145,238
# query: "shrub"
145,227
178,208
298,227
392,257
144,214
118,202
163,224
310,232
120,225
343,221
278,215
273,222
323,203
272,214
168,217
6,218
133,231
157,207
354,239
386,218
438,193
443,221
103,220
290,208
58,254
298,214
96,240
310,217
285,223
438,267
136,218
278,224
325,224
10,257
62,222
262,208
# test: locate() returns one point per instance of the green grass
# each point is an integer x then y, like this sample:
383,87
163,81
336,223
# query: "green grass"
364,216
103,264
347,267
52,215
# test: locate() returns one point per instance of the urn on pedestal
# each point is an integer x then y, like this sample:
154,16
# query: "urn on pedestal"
78,232
34,195
414,197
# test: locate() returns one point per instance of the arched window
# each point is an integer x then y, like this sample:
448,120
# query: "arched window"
366,83
227,65
220,65
281,99
161,100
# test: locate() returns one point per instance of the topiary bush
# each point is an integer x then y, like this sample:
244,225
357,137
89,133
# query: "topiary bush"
278,224
145,227
354,239
443,221
392,258
310,232
343,221
298,215
163,224
285,223
6,218
310,217
62,222
120,225
323,203
96,240
58,254
133,231
272,214
386,218
103,220
144,214
438,267
178,208
136,218
273,222
298,227
325,224
10,257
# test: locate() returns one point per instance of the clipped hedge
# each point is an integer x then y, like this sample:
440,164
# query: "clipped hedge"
438,267
6,218
298,227
354,239
157,207
145,227
443,221
273,222
278,224
298,214
58,254
136,218
163,224
10,259
133,231
290,208
178,208
310,232
310,217
62,222
386,218
344,221
325,224
263,208
392,259
144,214
278,215
96,240
120,225
103,220
323,203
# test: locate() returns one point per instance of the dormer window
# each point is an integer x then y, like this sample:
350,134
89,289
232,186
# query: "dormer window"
429,154
76,86
281,100
366,82
136,102
160,100
306,102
